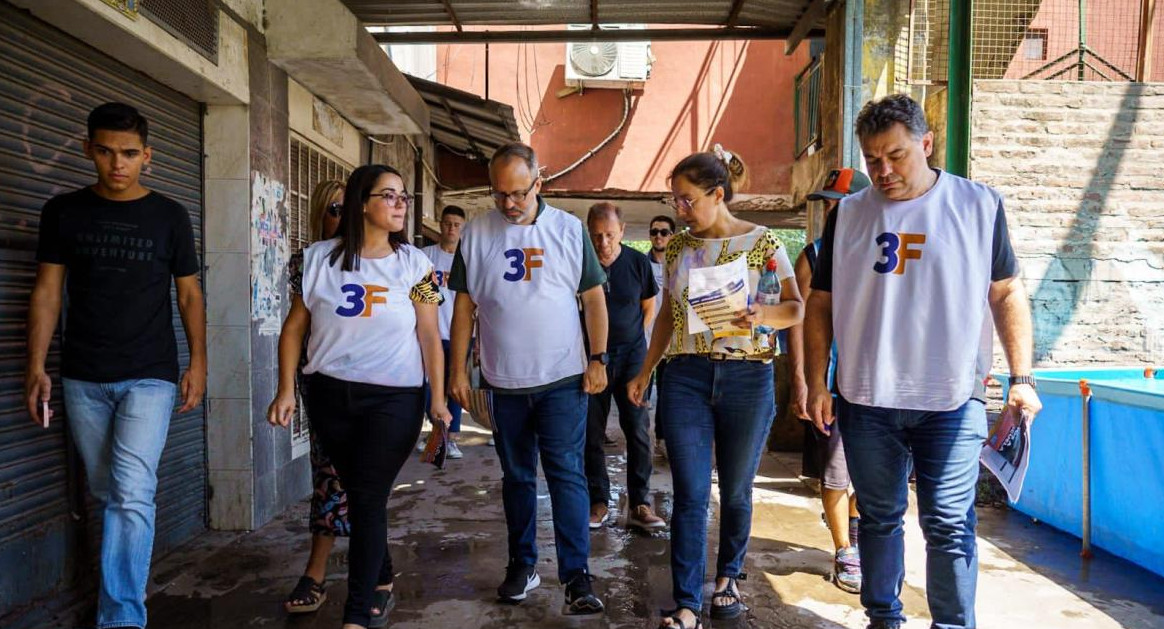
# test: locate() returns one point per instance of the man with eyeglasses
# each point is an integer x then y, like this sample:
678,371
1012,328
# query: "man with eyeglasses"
661,229
521,270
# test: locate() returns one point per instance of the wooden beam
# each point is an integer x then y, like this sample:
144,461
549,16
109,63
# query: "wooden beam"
734,14
542,37
452,15
1147,33
812,14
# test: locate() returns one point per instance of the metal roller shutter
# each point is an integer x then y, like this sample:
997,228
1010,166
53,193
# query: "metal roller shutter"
48,83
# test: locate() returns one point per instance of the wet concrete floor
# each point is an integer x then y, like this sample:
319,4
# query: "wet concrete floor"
448,544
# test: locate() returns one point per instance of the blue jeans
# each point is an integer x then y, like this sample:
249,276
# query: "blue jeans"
120,429
553,423
944,447
729,406
454,408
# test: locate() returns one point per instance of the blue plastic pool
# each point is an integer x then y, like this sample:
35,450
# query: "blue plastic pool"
1127,460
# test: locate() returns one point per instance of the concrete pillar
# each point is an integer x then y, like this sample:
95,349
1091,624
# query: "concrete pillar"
228,294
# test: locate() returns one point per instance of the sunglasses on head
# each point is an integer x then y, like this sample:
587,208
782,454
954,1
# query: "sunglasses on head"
335,208
660,232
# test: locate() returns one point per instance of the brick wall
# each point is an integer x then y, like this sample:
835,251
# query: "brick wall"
1079,165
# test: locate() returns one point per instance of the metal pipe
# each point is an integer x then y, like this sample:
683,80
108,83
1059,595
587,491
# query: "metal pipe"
1085,393
545,37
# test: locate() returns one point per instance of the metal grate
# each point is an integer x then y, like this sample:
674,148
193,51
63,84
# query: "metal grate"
193,21
308,167
929,26
1034,39
1080,40
807,107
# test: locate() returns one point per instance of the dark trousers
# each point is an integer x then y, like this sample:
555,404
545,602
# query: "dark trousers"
660,370
369,432
635,424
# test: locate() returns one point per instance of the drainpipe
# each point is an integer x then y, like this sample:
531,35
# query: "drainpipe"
958,85
418,198
851,77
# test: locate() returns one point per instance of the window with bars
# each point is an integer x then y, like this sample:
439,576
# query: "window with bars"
308,167
807,107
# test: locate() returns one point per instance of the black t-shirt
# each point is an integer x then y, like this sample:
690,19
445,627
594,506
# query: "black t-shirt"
119,257
630,280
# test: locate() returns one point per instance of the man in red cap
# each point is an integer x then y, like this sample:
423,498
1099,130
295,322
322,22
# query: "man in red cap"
840,508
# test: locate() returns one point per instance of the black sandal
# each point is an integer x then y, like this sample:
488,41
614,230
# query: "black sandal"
677,620
383,601
733,609
307,596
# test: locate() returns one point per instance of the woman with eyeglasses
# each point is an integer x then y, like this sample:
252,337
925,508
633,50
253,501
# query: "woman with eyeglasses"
718,393
370,302
328,515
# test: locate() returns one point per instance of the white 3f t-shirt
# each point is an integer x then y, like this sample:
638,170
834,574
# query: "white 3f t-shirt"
363,322
442,263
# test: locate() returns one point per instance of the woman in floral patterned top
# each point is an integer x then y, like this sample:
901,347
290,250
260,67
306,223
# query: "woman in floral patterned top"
719,391
328,515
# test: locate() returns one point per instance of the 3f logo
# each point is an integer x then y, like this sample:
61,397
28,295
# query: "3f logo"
522,262
360,299
895,250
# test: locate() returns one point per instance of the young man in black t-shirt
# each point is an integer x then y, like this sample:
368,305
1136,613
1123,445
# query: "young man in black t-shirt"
114,247
630,306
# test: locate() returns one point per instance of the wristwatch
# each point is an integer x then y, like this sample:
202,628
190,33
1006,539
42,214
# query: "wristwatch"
1023,380
603,358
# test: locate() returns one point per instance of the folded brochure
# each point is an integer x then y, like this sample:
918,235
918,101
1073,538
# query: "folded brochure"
1007,451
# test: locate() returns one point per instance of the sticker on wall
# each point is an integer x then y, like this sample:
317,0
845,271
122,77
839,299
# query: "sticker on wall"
268,253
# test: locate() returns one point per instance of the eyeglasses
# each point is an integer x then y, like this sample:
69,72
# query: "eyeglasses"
394,198
677,203
335,208
659,232
517,197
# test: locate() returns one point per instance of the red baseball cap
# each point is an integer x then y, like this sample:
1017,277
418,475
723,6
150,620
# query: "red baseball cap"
841,183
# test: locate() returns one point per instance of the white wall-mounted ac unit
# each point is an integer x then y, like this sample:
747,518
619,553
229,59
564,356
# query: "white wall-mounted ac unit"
613,65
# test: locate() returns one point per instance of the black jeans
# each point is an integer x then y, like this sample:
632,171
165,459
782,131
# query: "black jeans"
369,432
635,424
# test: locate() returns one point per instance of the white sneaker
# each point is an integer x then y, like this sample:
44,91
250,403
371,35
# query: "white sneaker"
454,451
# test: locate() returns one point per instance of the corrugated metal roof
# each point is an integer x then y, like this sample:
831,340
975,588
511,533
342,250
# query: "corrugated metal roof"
768,14
464,122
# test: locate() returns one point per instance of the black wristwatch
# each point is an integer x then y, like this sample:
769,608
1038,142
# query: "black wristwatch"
603,358
1023,380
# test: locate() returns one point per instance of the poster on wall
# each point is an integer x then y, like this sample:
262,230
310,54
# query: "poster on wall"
268,253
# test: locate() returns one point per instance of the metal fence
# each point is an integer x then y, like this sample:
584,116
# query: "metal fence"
1078,40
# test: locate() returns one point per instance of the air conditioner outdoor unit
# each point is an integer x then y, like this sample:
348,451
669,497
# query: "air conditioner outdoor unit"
612,65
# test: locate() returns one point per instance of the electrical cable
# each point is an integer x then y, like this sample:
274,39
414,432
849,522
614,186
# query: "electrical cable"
603,143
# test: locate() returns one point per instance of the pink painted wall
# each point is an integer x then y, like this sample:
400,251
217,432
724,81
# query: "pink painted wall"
736,93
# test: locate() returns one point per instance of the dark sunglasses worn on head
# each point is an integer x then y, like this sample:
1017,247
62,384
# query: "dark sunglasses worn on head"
660,232
335,209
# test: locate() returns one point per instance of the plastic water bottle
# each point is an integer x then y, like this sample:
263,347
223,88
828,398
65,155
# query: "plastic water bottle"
768,292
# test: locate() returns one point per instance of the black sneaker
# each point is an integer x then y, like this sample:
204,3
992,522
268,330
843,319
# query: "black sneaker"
580,598
884,624
519,580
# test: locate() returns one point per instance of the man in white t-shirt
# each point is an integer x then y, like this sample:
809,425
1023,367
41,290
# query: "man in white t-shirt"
521,271
906,268
441,254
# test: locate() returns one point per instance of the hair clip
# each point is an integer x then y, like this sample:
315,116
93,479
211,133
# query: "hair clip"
724,156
